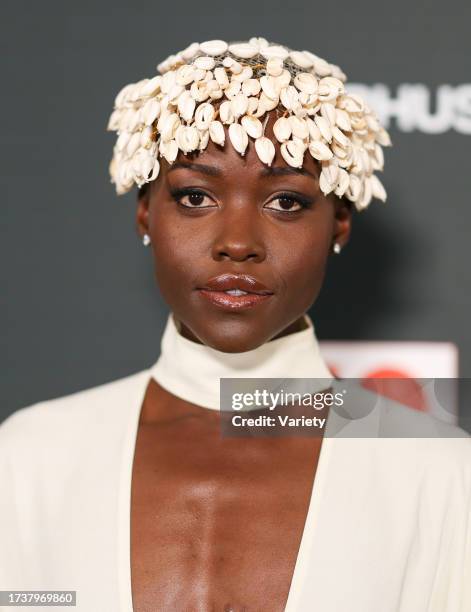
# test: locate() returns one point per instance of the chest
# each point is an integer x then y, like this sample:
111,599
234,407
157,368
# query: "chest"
216,523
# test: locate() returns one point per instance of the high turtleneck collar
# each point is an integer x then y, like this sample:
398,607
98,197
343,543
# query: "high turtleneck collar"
191,370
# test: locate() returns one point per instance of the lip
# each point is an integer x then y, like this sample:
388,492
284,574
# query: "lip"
230,281
215,288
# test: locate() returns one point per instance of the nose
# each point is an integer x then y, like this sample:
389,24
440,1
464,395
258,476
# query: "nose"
239,236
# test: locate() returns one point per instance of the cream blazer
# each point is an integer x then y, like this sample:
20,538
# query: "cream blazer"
388,527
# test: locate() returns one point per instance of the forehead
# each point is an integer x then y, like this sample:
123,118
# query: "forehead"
227,160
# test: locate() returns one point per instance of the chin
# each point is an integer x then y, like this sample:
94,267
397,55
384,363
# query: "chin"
233,334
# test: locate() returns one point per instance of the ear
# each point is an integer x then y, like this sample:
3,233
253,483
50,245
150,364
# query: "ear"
142,211
342,221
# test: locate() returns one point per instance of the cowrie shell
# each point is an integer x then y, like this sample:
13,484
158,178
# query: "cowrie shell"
289,98
324,127
225,112
259,42
252,105
251,87
331,171
321,67
155,171
299,127
365,195
146,137
383,138
168,81
175,92
169,127
187,138
342,119
214,47
238,137
212,85
216,132
199,74
265,150
301,59
186,105
190,51
325,186
228,61
292,153
252,126
320,151
245,74
185,75
235,67
133,144
354,188
352,104
215,94
146,165
113,121
243,50
372,123
169,150
284,79
378,158
342,182
377,188
233,89
282,129
338,73
314,131
307,100
328,112
204,115
122,141
205,62
340,137
199,91
274,66
269,87
123,93
239,105
152,86
268,103
274,51
338,151
204,139
221,76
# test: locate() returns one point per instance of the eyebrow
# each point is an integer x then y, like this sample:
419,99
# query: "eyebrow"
268,171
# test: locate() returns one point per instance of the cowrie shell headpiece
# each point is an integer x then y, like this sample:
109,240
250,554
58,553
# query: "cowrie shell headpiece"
214,84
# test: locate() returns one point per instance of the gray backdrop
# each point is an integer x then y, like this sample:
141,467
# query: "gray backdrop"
80,307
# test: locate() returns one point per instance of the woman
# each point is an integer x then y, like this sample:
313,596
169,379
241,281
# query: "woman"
128,493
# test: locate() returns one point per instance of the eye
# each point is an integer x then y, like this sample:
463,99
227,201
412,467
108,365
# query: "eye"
190,198
289,202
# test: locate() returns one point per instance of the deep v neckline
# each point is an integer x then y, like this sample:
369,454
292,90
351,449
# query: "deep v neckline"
124,511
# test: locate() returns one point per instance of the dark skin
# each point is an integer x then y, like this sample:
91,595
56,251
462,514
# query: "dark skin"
216,523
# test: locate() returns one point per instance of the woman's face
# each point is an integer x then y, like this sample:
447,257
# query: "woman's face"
216,213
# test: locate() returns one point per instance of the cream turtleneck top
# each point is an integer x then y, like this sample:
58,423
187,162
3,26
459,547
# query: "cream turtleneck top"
389,521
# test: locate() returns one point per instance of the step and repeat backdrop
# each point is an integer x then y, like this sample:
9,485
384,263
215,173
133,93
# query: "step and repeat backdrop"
80,306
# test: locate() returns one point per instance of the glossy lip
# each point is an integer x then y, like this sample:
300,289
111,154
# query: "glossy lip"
215,287
244,282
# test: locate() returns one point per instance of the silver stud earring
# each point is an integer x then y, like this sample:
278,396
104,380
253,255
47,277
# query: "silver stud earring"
336,248
146,239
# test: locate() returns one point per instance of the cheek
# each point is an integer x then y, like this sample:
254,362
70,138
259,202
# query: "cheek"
303,262
176,256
